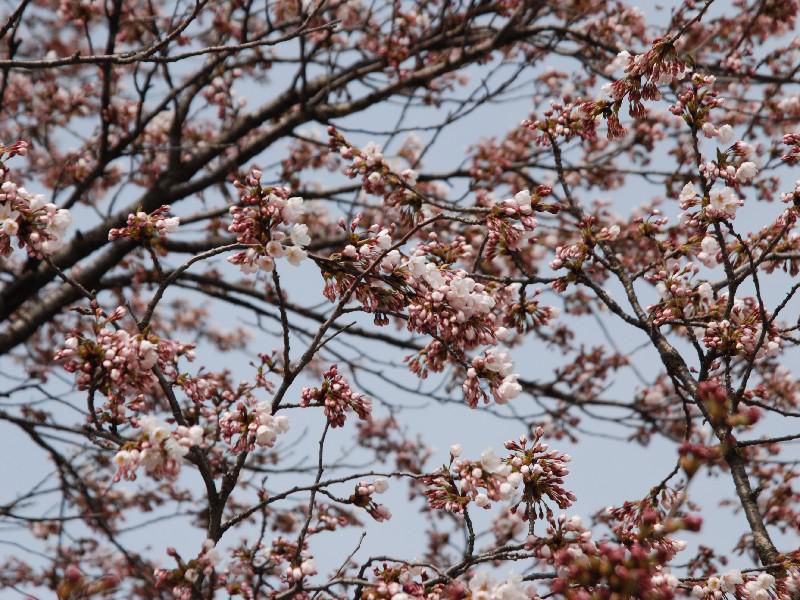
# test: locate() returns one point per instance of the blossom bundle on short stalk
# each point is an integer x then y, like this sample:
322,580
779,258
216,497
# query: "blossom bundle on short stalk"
267,220
145,227
336,398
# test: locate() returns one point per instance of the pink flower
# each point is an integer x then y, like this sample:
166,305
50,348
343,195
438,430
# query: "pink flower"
746,171
336,397
147,227
725,134
262,220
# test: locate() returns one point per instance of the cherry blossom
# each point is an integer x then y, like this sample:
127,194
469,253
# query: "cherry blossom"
257,220
252,424
576,221
36,225
336,397
141,226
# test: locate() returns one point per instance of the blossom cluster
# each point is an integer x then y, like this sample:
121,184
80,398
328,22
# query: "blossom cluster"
794,198
500,223
732,167
722,202
496,368
181,581
37,225
719,408
793,155
290,561
659,65
694,455
158,450
336,397
142,226
442,301
607,571
468,481
710,251
406,582
18,148
452,308
695,103
643,74
743,331
380,288
525,314
376,175
652,521
262,220
567,120
306,568
484,586
120,364
724,133
460,291
734,582
253,424
220,93
374,243
561,532
680,295
541,471
530,468
74,584
572,255
363,497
